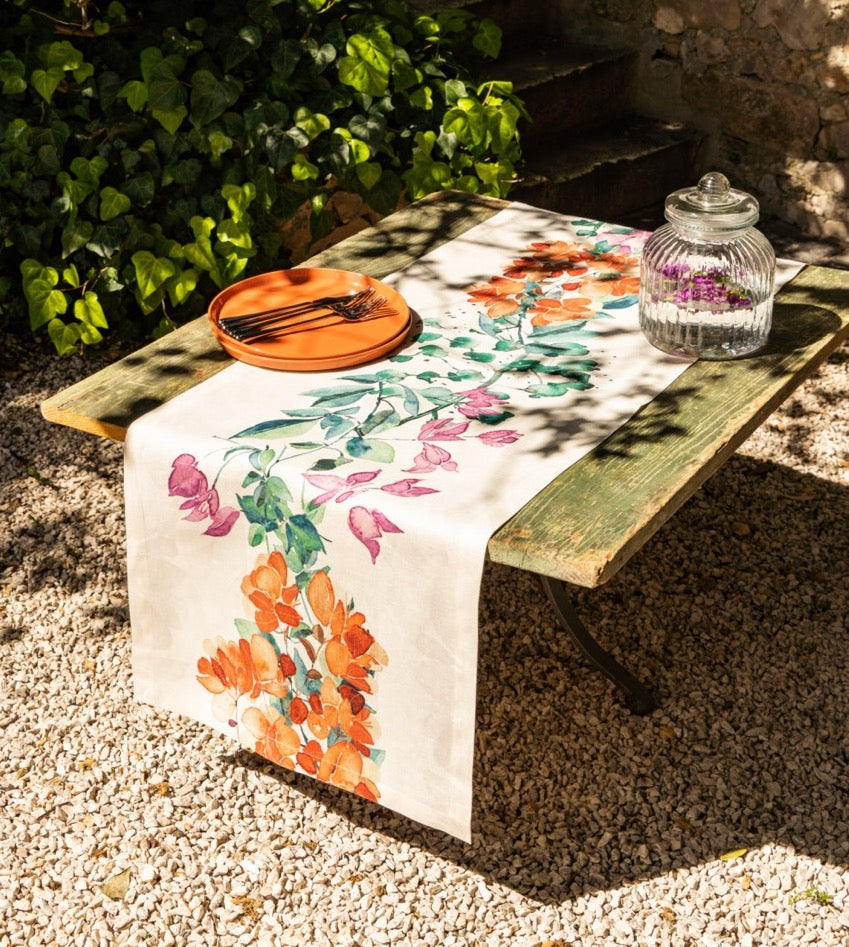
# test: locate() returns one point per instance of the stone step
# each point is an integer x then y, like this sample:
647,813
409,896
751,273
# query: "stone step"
521,23
610,174
568,88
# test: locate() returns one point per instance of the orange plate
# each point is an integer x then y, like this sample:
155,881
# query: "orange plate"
330,343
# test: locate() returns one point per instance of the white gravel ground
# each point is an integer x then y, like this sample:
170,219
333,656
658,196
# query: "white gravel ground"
721,819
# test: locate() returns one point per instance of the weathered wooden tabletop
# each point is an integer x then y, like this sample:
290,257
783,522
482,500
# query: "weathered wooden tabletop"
587,523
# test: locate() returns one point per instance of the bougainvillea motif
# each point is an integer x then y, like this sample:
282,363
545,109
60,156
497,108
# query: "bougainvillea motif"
298,684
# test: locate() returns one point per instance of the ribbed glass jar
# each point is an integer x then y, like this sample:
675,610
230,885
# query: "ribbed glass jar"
707,276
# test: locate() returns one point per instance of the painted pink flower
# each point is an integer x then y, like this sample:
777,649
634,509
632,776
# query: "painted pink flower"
340,488
368,526
431,457
482,404
186,480
443,430
407,488
499,438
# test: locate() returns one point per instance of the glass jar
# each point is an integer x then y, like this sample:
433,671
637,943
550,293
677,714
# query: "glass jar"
707,276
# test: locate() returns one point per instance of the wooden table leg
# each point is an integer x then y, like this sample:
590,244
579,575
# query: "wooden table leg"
638,698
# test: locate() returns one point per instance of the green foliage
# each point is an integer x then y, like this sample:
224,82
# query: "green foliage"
151,153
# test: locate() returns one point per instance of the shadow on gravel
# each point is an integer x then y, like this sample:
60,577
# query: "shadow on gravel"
736,612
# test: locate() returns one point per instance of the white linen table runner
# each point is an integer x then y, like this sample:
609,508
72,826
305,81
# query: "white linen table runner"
305,550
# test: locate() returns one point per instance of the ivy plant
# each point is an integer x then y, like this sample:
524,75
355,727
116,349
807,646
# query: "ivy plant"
152,153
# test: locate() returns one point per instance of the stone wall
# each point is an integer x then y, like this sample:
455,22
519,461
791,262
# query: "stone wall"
766,80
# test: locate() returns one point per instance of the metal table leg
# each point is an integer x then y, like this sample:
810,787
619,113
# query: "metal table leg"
637,697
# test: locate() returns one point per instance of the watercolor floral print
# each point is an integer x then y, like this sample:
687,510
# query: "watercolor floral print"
298,683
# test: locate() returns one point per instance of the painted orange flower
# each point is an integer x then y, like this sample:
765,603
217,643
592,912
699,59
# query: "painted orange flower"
550,260
601,287
275,739
243,668
548,311
266,590
616,263
500,296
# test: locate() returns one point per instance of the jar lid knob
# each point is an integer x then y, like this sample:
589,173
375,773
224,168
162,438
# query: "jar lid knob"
712,206
713,188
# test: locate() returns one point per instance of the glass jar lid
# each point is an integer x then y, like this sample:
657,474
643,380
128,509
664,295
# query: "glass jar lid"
712,206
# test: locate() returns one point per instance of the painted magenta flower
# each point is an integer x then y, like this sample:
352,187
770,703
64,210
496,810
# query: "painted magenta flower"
269,596
431,457
369,526
336,487
443,429
499,438
202,502
482,404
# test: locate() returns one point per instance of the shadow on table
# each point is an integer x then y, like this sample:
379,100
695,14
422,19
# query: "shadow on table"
736,612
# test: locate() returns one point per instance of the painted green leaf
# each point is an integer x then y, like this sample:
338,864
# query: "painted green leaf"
113,203
380,452
273,430
302,534
438,395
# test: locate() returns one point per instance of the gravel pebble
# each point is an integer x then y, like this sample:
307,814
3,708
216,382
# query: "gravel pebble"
722,818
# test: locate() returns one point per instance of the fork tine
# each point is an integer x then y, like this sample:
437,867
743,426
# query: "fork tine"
370,309
237,326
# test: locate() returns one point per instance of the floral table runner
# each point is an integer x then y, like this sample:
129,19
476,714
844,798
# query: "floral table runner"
306,549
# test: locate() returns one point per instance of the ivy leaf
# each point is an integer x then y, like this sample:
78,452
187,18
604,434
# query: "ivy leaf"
135,92
367,66
151,271
113,203
12,73
46,82
171,119
369,173
44,301
181,285
89,311
165,92
487,40
108,239
211,97
311,123
63,337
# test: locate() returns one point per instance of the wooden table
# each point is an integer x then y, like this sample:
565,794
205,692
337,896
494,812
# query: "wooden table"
594,516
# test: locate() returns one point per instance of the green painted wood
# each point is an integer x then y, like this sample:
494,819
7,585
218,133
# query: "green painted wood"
588,522
107,402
